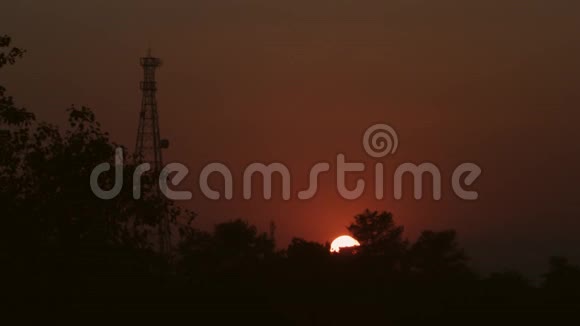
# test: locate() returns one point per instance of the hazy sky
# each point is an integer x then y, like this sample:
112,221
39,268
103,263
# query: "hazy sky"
492,82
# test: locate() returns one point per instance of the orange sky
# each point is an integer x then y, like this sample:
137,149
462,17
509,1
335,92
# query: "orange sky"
493,82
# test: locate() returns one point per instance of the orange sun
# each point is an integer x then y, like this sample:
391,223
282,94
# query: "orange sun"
344,241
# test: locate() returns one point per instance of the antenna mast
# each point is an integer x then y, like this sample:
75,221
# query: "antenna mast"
149,143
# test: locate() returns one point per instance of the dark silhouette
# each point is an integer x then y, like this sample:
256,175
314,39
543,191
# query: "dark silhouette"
378,234
307,251
437,254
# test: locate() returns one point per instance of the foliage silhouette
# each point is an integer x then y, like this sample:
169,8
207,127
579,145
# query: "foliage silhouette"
438,254
562,281
308,251
378,234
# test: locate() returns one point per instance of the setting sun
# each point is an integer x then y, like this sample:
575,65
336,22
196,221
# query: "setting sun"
344,241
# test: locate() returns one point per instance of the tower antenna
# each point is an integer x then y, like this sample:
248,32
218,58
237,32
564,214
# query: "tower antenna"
149,143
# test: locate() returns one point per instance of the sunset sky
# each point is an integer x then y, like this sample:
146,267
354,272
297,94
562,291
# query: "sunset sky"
494,82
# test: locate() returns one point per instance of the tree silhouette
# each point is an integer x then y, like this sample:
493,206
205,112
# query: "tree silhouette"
238,240
437,254
562,281
9,113
378,234
307,251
